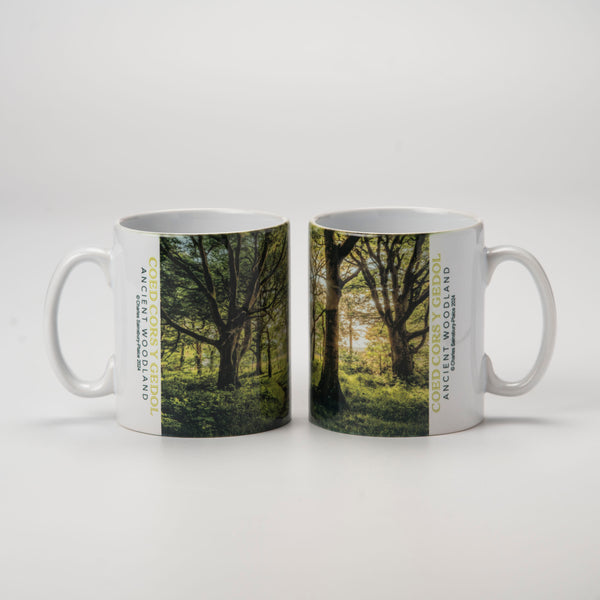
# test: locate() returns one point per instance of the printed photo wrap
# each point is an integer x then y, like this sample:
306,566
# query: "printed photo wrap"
212,334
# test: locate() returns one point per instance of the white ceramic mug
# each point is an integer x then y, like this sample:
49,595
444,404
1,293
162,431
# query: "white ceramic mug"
201,310
397,321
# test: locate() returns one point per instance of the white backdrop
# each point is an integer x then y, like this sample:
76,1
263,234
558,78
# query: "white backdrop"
112,108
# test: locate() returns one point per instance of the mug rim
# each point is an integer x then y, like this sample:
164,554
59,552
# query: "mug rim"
399,210
127,222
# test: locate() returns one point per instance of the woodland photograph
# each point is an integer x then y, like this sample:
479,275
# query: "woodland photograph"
369,333
224,333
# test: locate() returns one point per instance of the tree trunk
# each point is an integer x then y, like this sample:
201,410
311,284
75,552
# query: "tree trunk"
198,357
322,346
313,334
228,363
182,356
329,393
269,368
403,360
258,342
313,344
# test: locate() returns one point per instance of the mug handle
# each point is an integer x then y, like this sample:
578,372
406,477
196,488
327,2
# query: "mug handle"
495,384
105,385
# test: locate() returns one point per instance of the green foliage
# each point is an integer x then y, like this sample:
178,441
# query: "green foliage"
379,406
224,333
193,406
382,335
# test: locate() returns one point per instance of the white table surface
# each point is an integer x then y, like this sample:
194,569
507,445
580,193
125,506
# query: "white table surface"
111,109
508,509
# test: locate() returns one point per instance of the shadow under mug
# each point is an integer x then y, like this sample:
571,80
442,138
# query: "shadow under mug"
201,322
397,321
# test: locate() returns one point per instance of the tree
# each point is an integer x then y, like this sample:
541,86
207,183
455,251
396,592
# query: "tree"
354,312
198,347
328,391
377,357
396,271
317,267
225,283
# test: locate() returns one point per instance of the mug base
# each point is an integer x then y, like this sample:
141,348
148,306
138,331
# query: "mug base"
359,433
276,424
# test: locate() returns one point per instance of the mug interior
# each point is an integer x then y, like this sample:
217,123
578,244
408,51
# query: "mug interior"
395,221
201,221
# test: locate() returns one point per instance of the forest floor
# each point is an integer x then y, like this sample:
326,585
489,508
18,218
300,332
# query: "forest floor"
193,406
377,406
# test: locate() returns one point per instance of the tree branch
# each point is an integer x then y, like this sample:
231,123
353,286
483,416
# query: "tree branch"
182,264
253,286
346,247
198,241
415,334
350,277
186,331
277,262
234,266
369,280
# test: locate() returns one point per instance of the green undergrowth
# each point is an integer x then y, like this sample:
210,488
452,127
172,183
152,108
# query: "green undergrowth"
378,406
193,406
